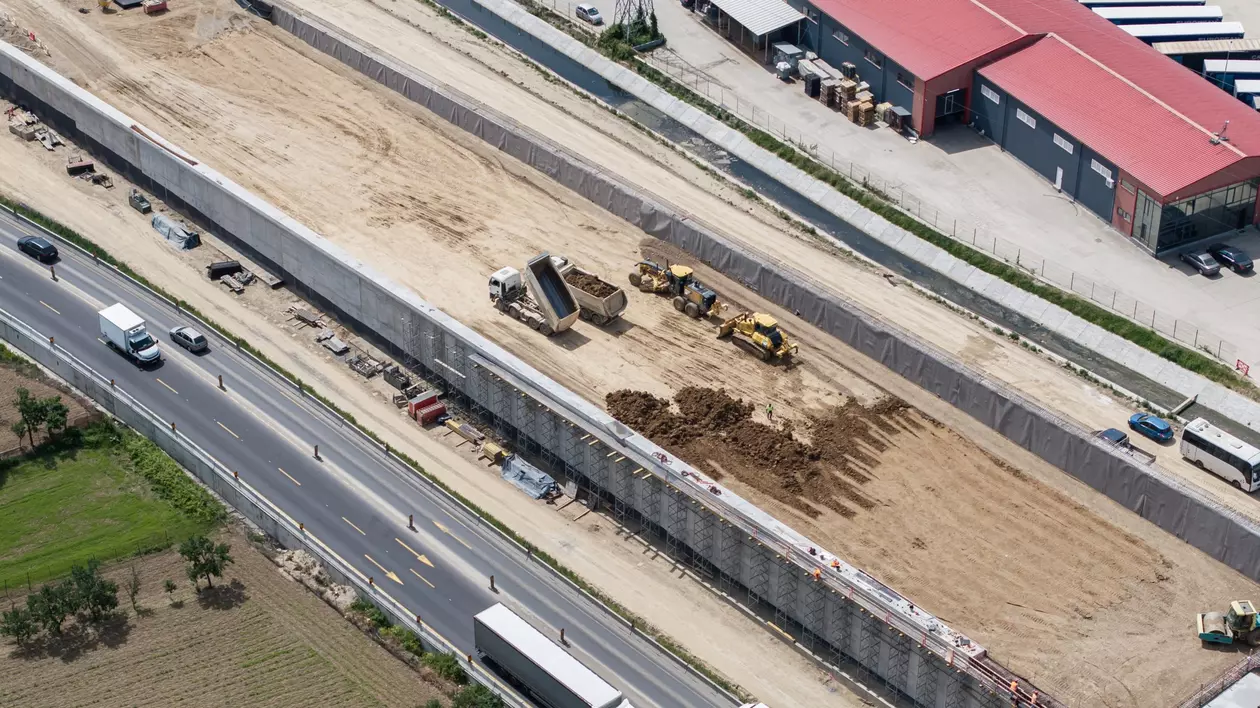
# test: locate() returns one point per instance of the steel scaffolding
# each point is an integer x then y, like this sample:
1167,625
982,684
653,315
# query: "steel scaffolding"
785,597
839,624
929,675
758,575
815,617
899,663
676,506
702,537
730,543
868,645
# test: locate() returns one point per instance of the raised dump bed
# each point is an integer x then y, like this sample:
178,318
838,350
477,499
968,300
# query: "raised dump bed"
554,299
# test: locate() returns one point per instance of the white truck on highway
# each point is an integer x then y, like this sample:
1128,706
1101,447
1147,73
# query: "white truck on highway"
539,666
547,306
124,330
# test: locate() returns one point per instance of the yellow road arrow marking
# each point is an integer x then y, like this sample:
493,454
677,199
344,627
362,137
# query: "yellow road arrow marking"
356,528
447,531
419,556
426,582
388,573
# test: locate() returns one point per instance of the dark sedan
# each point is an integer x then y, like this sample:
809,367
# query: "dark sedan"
1231,257
38,248
1202,261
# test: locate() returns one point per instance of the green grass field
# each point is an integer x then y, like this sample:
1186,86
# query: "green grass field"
94,499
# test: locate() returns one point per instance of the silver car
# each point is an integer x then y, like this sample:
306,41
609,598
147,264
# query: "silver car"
1202,261
190,339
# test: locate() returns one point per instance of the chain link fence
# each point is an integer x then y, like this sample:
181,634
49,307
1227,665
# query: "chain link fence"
962,230
1232,675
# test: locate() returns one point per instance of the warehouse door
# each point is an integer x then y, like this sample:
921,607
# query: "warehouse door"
950,105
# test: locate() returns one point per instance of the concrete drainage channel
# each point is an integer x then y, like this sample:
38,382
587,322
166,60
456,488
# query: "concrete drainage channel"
846,614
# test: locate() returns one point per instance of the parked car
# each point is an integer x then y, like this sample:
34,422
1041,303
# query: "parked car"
1115,437
1151,426
1234,258
189,338
589,13
1202,262
38,248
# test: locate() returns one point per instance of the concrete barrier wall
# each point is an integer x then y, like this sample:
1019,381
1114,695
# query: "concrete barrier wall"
710,530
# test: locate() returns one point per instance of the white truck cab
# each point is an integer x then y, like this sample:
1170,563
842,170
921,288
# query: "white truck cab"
125,331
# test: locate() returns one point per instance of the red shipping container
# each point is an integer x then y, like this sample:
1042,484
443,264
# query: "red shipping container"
424,400
430,413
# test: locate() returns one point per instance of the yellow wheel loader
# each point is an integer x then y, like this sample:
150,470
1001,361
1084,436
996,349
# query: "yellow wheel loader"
690,296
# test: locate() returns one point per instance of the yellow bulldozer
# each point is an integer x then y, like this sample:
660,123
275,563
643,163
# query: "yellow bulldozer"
761,332
690,296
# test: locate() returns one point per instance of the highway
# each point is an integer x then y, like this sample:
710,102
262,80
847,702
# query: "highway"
354,498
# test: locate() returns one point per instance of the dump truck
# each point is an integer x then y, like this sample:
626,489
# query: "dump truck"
690,296
125,331
536,665
540,299
1237,625
601,302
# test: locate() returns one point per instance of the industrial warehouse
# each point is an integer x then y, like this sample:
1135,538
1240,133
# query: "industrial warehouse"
1149,147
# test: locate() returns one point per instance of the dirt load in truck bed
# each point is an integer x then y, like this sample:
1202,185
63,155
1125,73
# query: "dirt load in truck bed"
589,284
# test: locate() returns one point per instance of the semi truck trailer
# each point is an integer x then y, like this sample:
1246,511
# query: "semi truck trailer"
547,673
125,331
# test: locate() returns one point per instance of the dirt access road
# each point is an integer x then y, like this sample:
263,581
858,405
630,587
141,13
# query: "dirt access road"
375,175
262,641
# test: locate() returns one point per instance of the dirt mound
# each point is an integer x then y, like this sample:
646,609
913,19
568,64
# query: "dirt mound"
710,425
589,283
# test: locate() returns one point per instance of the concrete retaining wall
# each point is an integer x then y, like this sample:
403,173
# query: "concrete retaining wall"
746,553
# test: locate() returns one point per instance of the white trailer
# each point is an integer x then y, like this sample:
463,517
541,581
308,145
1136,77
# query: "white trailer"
539,666
125,331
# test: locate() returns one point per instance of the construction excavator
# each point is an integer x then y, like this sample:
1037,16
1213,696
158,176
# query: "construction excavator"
761,332
1237,625
690,296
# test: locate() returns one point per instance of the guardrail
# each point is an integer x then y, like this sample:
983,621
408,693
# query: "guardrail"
1232,675
400,464
236,491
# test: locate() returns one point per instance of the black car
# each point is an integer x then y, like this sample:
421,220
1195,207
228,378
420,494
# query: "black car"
38,248
1234,258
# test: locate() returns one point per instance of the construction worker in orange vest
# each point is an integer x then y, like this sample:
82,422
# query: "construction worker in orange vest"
1014,691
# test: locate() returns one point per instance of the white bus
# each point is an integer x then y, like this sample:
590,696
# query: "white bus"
1221,454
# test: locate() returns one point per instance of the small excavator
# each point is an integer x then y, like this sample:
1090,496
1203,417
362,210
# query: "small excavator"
762,332
690,296
1237,625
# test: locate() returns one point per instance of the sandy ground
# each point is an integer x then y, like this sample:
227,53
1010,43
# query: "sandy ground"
263,641
374,175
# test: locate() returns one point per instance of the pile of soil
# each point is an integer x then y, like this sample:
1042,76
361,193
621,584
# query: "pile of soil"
709,425
589,283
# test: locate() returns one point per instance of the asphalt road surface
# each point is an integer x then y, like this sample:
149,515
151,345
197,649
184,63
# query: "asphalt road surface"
354,499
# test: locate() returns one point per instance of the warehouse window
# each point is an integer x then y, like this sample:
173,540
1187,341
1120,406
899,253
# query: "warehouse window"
1124,214
841,37
1020,114
1063,143
1101,169
905,80
1128,186
812,14
990,94
875,59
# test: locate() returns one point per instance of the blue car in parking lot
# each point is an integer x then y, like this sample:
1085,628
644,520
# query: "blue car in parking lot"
1151,426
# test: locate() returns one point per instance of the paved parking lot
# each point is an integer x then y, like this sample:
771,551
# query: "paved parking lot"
968,186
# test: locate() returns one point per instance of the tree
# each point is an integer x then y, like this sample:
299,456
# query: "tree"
95,594
51,605
19,624
19,429
205,559
33,412
655,32
476,696
169,586
56,414
133,589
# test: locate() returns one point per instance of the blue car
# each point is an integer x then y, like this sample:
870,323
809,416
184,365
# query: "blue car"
1153,427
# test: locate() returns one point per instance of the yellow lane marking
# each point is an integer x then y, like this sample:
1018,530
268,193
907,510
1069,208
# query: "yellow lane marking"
419,556
168,386
231,433
443,529
49,307
426,582
356,528
388,573
286,474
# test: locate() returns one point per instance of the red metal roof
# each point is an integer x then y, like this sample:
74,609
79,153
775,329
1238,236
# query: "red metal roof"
927,37
1123,124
